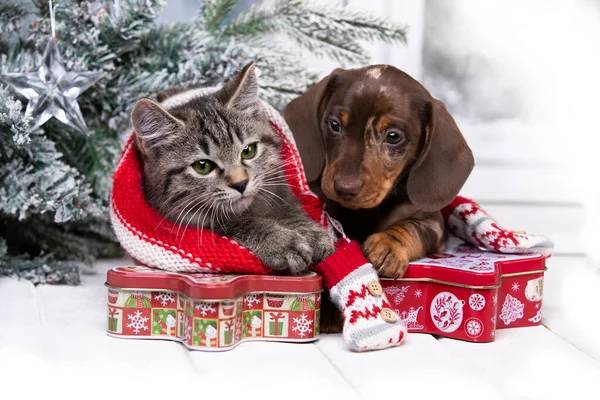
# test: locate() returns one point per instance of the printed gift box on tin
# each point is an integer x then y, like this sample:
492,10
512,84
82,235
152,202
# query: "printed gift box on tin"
464,293
212,312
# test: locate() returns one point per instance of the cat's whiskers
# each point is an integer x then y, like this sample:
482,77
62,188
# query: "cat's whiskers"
172,206
196,198
203,206
276,169
271,193
199,199
220,213
265,199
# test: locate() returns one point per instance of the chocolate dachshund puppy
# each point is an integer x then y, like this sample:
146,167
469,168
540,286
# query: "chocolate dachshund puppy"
385,156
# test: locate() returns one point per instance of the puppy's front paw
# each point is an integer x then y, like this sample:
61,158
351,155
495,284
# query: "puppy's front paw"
387,255
286,250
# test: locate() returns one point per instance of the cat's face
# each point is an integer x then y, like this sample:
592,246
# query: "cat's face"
207,158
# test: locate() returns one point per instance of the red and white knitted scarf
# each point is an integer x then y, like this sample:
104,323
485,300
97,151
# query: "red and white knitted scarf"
157,242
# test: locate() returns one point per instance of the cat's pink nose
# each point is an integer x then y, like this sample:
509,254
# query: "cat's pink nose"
240,186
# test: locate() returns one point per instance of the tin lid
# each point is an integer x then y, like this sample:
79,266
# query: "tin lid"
464,265
209,286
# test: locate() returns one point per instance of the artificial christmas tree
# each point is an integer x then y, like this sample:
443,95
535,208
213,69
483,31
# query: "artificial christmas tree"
54,182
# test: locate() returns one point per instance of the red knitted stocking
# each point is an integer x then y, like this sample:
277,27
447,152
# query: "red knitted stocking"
468,221
353,284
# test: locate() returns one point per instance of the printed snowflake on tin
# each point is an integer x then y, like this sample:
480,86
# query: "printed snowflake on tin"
302,325
515,286
165,298
250,299
205,308
473,327
418,293
477,302
137,322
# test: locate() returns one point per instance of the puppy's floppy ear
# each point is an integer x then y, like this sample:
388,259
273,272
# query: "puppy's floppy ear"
445,162
303,116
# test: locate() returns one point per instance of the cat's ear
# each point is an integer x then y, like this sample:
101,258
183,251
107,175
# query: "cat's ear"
153,125
241,92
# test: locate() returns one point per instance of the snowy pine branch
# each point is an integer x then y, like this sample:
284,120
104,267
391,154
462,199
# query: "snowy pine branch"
11,14
213,13
55,185
324,30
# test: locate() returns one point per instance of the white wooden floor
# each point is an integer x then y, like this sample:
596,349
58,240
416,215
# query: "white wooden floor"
53,341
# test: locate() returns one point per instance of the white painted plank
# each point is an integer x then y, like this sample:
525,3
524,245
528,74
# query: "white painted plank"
571,288
18,302
82,303
531,363
265,369
523,184
420,368
516,142
81,360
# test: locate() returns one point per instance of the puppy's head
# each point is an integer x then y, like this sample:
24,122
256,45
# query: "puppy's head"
364,131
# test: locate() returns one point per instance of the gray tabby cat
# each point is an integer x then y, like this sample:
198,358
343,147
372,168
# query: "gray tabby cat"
213,161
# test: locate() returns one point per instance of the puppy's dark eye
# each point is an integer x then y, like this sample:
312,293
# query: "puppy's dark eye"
394,137
335,125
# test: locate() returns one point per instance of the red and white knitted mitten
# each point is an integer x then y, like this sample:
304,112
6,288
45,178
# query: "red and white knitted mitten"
353,284
468,221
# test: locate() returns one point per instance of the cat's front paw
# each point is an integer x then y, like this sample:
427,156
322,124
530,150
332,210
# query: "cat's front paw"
287,250
320,241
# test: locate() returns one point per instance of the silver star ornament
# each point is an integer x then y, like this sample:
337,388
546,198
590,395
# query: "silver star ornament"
52,91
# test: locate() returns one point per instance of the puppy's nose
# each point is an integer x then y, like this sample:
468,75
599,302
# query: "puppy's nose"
240,186
347,188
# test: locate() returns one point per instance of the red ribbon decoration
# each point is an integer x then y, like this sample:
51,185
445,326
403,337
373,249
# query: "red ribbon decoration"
275,318
228,325
112,312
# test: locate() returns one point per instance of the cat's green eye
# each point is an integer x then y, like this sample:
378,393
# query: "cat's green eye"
249,151
203,167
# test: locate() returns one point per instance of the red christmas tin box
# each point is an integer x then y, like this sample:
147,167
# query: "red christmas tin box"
212,312
465,293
